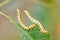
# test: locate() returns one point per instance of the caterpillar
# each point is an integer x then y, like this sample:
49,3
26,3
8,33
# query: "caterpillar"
42,29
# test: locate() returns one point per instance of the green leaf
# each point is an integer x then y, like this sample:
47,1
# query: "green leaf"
33,34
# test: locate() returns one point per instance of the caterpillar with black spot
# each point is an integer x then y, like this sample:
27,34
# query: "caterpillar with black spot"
32,19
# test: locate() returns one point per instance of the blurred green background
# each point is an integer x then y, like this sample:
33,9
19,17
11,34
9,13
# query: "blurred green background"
47,11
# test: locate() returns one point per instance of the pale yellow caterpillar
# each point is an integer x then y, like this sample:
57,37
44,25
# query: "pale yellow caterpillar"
35,21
